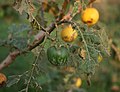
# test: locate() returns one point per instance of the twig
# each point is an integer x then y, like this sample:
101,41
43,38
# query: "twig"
42,15
86,46
38,40
62,11
9,59
72,11
90,3
31,72
116,51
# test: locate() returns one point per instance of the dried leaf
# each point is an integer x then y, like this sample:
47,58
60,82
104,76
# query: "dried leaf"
69,69
83,53
26,6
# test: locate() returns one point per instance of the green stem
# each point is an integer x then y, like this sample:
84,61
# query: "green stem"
31,72
86,47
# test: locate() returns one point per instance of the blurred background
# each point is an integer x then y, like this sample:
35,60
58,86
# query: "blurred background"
107,76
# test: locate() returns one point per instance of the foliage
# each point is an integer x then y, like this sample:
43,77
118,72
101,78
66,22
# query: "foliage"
91,42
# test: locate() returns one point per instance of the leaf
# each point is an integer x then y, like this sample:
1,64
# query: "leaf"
12,82
26,6
105,43
74,48
2,42
43,79
23,5
15,29
23,90
60,2
18,42
48,17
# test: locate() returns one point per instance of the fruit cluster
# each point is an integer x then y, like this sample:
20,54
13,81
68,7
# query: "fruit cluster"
59,56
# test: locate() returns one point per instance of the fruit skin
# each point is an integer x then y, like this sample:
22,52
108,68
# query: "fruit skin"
90,16
57,56
3,79
78,82
69,34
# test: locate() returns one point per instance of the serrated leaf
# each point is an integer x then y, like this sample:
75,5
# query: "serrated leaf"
23,5
95,39
26,6
15,29
18,42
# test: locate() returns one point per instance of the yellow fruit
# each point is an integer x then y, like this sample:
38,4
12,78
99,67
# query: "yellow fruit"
69,34
3,79
78,82
90,16
100,58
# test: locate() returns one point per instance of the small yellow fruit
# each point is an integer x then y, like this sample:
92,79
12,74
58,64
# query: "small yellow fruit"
100,58
3,79
69,34
90,16
78,82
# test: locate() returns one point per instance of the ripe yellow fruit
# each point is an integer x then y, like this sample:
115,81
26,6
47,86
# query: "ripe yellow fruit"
78,82
100,58
3,79
90,16
69,34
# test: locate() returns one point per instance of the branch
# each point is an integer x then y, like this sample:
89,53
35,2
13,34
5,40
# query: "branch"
72,11
90,2
9,59
38,40
62,11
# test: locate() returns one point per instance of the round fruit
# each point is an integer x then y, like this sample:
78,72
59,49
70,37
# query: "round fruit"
57,56
3,79
78,82
69,34
90,16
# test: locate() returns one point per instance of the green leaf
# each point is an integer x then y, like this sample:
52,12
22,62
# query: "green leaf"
43,79
18,42
2,42
59,2
17,29
12,82
49,18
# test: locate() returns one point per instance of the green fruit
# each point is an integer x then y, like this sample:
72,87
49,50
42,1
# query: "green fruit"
57,56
